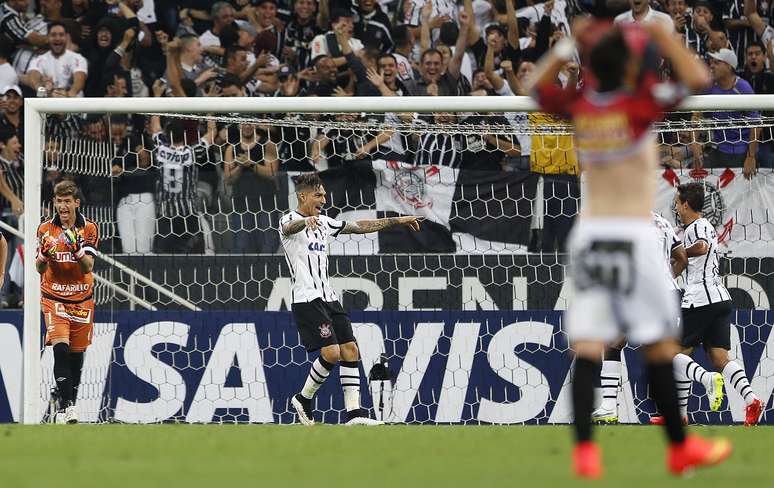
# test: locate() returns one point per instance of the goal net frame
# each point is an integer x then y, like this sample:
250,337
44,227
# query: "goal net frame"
36,109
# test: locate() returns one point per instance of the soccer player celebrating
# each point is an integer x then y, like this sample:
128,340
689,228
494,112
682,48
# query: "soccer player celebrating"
614,256
66,248
706,303
322,322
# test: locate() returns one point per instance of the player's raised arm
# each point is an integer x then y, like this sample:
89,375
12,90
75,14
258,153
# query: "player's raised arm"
375,225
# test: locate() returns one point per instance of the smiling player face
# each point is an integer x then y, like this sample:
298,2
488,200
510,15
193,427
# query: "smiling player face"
312,201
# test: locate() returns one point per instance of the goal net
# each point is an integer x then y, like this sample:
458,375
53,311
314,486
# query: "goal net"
458,323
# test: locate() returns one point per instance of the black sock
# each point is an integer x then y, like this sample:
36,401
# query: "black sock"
76,365
583,396
613,354
62,374
664,393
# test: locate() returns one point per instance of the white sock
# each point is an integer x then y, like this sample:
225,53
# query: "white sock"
349,372
610,378
733,374
318,373
682,382
692,370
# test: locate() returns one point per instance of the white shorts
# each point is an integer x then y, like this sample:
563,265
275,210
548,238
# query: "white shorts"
621,287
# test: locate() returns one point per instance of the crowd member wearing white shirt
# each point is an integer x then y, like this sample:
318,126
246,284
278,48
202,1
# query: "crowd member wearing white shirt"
65,69
327,44
322,322
8,76
641,12
706,302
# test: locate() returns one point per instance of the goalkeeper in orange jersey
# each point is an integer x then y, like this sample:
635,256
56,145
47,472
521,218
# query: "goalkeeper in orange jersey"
67,245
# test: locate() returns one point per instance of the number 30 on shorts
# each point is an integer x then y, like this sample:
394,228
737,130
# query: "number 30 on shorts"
606,264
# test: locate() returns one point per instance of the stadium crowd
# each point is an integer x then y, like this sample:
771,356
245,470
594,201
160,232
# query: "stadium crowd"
321,48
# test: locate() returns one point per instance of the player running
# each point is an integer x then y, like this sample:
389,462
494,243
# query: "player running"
67,245
322,322
706,303
615,260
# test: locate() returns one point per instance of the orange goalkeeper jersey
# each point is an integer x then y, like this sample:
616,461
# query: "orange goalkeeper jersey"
63,280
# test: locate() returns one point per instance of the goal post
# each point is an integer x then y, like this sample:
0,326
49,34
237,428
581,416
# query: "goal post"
36,109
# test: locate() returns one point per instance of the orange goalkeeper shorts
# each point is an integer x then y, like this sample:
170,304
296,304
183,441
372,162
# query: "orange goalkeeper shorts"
71,321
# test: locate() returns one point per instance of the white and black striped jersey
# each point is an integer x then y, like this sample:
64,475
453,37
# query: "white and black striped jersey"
703,285
12,27
306,253
668,241
179,170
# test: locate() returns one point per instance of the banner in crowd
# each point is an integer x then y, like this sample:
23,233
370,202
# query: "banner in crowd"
740,209
464,211
444,367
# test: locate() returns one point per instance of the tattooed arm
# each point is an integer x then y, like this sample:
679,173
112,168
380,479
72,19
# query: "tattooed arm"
296,226
366,226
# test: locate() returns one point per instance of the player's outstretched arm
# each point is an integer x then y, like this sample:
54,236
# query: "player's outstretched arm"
366,226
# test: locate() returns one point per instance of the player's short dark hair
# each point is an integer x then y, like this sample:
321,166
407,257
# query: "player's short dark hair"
308,181
693,193
608,60
66,188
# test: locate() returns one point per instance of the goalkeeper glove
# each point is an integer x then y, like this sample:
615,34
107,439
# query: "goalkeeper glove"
46,247
75,242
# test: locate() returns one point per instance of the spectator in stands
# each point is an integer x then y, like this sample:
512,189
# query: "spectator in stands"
432,72
11,205
403,38
738,27
60,71
13,28
327,45
269,27
373,26
12,116
222,14
641,11
250,168
8,75
135,183
299,34
734,148
762,82
181,227
441,12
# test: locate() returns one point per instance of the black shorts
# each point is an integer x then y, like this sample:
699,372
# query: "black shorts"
322,324
709,325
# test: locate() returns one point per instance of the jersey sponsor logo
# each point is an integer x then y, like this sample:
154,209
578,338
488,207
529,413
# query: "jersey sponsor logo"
64,257
325,330
74,313
70,287
316,246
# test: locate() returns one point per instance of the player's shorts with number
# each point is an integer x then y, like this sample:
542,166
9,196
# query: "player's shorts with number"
71,321
621,286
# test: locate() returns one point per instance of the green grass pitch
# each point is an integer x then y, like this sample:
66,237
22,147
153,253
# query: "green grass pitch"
396,456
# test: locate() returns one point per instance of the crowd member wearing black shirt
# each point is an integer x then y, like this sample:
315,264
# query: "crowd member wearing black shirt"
136,180
250,168
11,204
372,26
299,33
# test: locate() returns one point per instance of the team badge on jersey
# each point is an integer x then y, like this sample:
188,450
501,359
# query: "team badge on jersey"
325,330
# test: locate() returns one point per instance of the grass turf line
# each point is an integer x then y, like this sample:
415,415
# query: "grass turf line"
398,456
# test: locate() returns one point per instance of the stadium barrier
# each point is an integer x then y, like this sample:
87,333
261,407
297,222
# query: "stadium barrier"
470,367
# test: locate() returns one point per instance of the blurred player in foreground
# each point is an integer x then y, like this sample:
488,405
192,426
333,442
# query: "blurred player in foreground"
67,245
322,322
615,259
